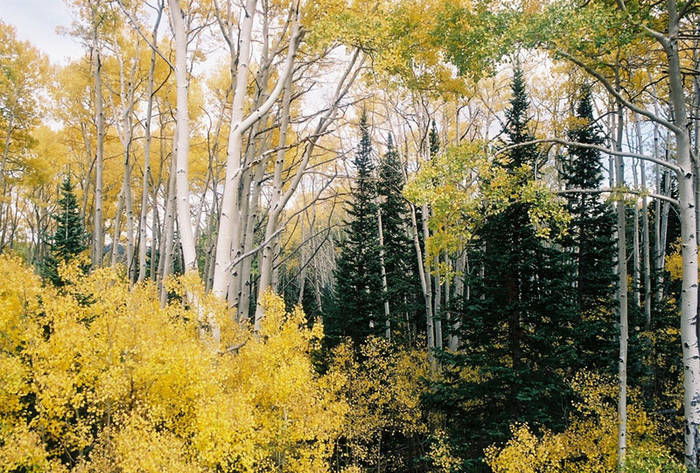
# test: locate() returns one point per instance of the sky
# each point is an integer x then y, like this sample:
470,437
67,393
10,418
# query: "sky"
36,21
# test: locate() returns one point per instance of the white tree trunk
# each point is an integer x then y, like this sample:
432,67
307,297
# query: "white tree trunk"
622,305
461,268
98,223
143,221
116,231
636,254
425,282
228,223
182,119
437,303
689,244
385,285
279,196
646,260
165,261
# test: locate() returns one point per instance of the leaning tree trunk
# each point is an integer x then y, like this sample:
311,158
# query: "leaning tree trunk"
425,283
165,260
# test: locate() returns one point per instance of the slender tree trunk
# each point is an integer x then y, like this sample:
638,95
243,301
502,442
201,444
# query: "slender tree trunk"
129,205
143,221
98,223
461,268
385,285
276,204
165,262
622,300
3,182
437,300
636,259
248,240
302,262
182,118
116,231
425,284
156,238
317,288
646,260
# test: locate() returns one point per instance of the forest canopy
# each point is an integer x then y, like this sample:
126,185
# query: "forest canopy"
351,236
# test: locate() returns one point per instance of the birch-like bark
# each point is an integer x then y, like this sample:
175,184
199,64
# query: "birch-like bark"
129,207
461,268
385,285
156,229
143,220
302,259
437,300
165,262
424,280
276,205
657,230
227,223
117,231
689,244
248,241
646,260
636,254
98,223
280,197
3,181
622,304
182,119
448,293
428,278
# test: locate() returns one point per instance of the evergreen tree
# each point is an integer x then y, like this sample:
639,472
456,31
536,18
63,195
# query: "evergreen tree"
434,140
516,328
590,243
70,238
359,312
403,288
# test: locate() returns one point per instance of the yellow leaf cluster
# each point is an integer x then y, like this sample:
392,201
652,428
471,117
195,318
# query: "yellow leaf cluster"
465,185
100,378
383,386
589,444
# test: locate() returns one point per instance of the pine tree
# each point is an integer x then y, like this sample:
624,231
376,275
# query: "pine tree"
590,243
70,238
403,288
516,329
434,140
359,311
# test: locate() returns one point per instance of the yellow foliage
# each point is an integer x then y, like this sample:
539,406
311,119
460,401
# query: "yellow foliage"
674,263
383,386
100,378
589,444
465,185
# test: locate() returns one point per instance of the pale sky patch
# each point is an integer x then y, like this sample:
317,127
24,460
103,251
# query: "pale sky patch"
36,21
